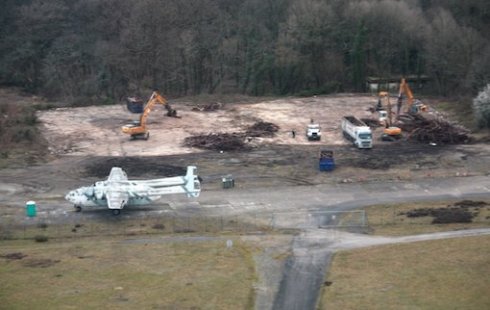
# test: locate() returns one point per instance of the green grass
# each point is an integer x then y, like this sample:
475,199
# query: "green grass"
442,274
131,227
111,273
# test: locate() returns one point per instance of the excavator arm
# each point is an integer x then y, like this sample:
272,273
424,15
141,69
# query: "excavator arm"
413,106
139,129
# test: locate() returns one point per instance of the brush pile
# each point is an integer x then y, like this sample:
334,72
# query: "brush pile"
231,141
432,130
371,122
217,141
262,129
209,107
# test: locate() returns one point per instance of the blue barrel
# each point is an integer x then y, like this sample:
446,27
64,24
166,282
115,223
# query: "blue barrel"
31,209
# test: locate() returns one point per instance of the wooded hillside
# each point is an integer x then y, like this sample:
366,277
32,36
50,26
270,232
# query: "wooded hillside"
103,49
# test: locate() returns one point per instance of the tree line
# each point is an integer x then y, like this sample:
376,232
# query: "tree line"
104,49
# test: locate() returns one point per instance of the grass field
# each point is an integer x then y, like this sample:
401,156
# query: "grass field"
442,274
391,219
120,273
145,264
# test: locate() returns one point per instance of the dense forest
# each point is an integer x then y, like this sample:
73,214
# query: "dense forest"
103,49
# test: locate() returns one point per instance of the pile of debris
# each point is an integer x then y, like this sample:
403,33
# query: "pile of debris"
231,141
134,166
371,122
460,212
262,129
432,130
208,107
217,141
443,215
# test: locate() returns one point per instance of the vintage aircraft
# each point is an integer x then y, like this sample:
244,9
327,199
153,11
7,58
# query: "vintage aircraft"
117,191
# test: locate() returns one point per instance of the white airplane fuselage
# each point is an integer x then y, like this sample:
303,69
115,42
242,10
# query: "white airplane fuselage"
117,191
79,198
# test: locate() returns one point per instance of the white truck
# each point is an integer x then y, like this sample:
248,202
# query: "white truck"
313,132
357,131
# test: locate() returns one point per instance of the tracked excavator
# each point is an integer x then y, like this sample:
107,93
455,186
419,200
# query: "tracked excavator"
138,129
414,106
390,132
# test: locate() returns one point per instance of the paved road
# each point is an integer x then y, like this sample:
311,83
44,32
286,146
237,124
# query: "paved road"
340,196
312,250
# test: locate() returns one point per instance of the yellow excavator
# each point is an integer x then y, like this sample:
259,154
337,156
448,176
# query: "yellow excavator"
138,130
390,132
414,106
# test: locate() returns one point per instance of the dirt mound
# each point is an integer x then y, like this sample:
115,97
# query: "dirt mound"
231,141
262,129
457,213
443,215
134,166
218,141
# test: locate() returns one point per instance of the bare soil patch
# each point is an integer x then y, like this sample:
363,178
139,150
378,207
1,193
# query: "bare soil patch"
40,262
217,141
460,212
134,166
97,130
13,256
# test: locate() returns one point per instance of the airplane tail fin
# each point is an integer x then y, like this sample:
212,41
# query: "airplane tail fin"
192,184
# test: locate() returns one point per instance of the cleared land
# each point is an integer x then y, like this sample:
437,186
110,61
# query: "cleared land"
79,131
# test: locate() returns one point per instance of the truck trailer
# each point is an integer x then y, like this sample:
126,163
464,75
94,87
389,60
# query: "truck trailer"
357,132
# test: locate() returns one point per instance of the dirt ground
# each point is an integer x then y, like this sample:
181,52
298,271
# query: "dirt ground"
86,142
96,132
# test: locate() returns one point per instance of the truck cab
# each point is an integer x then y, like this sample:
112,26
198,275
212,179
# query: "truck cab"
364,138
313,132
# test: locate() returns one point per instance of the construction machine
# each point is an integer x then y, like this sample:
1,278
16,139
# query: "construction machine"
414,106
138,128
390,132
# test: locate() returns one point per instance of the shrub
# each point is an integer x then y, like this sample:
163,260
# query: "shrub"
42,225
41,238
159,226
481,108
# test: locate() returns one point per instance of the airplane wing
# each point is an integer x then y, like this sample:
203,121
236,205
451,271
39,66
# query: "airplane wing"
116,198
115,193
117,174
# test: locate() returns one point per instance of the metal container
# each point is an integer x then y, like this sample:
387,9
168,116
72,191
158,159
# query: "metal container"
228,182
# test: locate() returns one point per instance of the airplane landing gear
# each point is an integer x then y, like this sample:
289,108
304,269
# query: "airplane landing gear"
78,208
116,211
